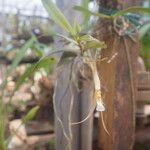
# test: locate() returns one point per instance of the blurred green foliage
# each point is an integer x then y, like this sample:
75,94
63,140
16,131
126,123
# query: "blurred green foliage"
145,44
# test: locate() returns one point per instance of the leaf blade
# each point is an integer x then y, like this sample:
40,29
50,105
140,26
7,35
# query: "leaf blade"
68,39
82,9
16,61
143,30
134,9
30,115
20,55
30,70
86,15
57,15
91,42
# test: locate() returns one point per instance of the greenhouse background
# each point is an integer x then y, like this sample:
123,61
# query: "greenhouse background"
74,74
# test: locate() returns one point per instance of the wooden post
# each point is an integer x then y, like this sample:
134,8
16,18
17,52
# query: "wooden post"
71,87
118,79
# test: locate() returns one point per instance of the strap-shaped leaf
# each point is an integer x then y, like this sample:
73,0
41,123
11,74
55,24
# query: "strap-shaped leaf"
91,42
31,114
17,60
77,28
2,125
43,63
82,9
86,15
34,67
57,15
20,54
68,39
144,29
94,44
134,9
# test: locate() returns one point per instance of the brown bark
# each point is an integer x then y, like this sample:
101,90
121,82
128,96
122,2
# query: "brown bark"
119,95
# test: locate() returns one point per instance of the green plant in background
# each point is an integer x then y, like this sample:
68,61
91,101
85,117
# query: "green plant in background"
145,44
3,108
44,62
2,125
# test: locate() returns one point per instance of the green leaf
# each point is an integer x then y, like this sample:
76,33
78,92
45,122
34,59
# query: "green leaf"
20,55
144,29
86,38
91,42
94,44
43,63
37,49
77,28
86,15
2,125
17,60
82,9
31,114
68,39
57,15
134,9
34,67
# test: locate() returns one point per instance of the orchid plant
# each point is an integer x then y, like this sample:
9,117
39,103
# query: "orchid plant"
85,45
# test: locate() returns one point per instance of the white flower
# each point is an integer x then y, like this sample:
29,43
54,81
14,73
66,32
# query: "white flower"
100,106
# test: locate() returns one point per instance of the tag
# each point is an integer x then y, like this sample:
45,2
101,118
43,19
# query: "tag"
100,106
